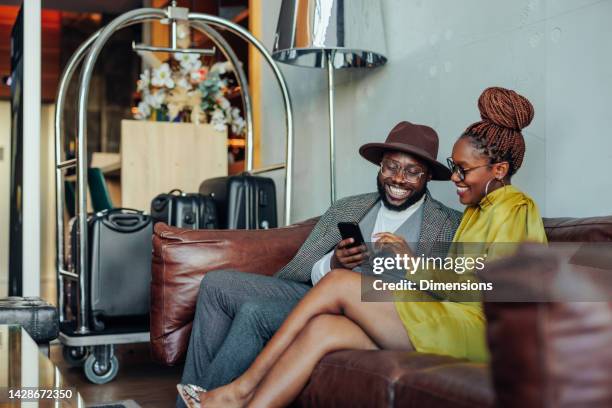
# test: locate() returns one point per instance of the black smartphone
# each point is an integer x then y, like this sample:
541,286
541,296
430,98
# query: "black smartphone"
351,230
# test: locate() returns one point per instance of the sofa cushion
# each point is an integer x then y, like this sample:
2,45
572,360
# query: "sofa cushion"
358,378
460,384
182,257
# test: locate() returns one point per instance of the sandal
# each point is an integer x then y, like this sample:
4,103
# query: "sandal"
190,394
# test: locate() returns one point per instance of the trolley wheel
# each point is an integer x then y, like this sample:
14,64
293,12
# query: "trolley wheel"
96,373
74,356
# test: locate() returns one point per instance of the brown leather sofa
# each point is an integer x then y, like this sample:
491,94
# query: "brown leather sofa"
542,354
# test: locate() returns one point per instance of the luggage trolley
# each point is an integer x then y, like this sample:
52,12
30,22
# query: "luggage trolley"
95,350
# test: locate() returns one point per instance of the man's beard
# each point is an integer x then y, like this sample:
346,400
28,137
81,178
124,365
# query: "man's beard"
413,198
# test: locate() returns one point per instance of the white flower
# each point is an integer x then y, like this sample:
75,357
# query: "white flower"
189,62
221,67
183,83
145,80
238,126
218,120
162,77
144,111
219,126
223,102
155,100
218,115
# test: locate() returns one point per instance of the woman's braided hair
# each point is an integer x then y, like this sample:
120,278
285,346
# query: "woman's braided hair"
498,135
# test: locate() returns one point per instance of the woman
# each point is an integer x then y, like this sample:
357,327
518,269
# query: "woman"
327,319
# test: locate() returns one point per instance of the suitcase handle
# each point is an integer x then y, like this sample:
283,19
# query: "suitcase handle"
122,210
123,222
160,201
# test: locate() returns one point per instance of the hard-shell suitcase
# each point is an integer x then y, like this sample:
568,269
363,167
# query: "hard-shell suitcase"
120,251
193,211
243,201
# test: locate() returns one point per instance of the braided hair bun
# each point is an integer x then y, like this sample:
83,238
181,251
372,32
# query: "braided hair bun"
504,114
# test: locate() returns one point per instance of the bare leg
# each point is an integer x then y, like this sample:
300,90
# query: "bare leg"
339,293
322,335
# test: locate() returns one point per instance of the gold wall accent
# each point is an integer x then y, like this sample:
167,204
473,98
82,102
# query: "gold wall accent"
255,70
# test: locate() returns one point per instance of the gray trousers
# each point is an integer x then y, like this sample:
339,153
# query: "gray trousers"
236,314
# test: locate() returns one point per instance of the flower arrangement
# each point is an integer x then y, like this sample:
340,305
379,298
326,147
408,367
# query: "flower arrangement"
183,90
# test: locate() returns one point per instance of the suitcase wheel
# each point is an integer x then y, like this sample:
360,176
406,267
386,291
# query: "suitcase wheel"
75,356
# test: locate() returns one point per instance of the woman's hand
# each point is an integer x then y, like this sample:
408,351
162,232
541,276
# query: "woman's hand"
394,242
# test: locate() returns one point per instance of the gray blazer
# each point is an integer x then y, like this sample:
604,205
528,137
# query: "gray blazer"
438,225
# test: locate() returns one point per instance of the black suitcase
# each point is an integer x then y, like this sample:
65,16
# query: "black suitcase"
243,201
193,211
120,252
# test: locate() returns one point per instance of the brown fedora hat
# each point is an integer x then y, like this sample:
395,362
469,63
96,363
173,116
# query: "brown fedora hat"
406,137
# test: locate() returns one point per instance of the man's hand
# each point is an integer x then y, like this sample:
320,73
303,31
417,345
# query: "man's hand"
394,242
346,256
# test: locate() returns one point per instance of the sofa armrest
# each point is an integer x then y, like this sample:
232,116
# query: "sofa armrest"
551,353
182,257
590,229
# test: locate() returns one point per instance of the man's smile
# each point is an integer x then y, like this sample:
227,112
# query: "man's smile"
397,193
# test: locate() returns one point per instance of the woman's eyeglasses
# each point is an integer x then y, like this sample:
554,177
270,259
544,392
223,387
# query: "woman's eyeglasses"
390,168
461,172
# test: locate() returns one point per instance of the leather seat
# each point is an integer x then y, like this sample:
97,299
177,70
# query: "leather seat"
355,378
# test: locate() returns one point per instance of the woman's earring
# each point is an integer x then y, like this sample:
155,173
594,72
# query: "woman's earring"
487,186
489,183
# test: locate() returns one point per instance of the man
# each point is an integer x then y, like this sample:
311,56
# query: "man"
237,313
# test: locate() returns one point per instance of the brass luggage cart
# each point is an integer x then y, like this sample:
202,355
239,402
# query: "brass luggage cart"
95,350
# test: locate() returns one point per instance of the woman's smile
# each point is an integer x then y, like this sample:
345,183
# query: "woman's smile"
462,190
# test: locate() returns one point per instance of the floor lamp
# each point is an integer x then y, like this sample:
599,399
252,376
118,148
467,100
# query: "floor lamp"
330,34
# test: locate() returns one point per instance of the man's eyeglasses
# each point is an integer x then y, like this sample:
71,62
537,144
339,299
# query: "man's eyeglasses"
461,172
390,168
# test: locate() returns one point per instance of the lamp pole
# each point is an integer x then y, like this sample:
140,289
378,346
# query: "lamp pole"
332,133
